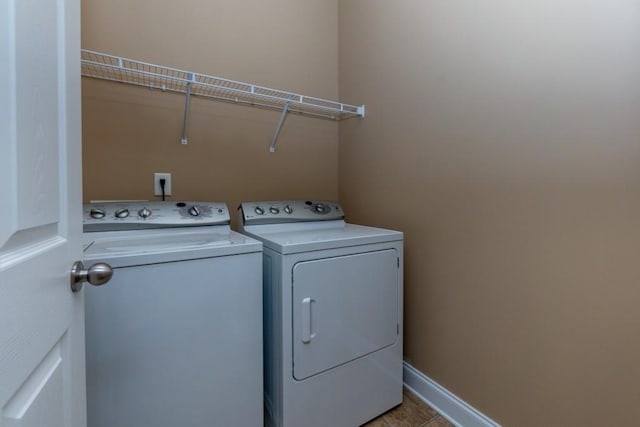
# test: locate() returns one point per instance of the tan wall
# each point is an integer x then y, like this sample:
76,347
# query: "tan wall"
129,133
507,132
504,138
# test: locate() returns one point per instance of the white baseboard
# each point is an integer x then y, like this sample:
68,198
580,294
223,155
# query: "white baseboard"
450,406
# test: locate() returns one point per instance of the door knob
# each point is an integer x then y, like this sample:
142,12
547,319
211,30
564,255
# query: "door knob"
98,274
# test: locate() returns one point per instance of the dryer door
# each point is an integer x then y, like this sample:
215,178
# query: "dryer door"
343,308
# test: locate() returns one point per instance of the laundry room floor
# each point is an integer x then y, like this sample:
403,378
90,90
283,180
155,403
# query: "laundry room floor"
413,412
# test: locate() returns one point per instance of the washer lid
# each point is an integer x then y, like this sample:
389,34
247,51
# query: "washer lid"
127,248
306,237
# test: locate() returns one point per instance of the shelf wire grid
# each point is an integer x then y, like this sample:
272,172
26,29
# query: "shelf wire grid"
108,67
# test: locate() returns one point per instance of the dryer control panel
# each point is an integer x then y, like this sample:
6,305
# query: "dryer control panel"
283,211
133,215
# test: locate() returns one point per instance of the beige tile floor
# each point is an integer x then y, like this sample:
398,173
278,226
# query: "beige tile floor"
413,412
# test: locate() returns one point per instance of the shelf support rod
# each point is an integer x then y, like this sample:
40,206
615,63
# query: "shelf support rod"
285,110
185,124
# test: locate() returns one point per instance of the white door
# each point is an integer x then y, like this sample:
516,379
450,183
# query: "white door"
41,320
343,308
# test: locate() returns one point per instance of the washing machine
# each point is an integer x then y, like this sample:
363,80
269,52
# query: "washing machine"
332,314
175,338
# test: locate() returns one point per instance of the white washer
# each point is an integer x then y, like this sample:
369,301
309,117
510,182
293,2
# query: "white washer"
333,314
175,338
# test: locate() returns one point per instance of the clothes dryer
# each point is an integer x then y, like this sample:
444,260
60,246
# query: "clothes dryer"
175,338
332,314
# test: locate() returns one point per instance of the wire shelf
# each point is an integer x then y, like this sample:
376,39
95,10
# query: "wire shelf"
108,67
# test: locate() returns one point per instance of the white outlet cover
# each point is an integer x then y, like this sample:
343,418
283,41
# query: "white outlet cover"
157,190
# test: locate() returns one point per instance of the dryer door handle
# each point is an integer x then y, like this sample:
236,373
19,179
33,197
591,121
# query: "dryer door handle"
307,335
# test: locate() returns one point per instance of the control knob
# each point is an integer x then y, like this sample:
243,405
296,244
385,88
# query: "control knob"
274,210
320,208
259,210
144,213
288,210
97,213
194,211
122,213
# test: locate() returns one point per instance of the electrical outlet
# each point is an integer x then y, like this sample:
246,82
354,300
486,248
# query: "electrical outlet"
157,190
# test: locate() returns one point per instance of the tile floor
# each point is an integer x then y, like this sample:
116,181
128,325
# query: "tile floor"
412,413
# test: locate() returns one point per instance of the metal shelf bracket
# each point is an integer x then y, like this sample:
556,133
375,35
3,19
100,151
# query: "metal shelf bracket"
185,124
285,110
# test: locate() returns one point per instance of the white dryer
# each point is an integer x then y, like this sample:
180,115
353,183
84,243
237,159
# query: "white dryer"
332,314
175,338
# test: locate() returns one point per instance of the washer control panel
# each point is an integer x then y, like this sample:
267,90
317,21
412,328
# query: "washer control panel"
274,212
111,216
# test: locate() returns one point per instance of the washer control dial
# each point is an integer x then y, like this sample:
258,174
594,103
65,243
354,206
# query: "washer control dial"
122,213
321,208
259,210
144,213
97,213
274,210
194,211
288,210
